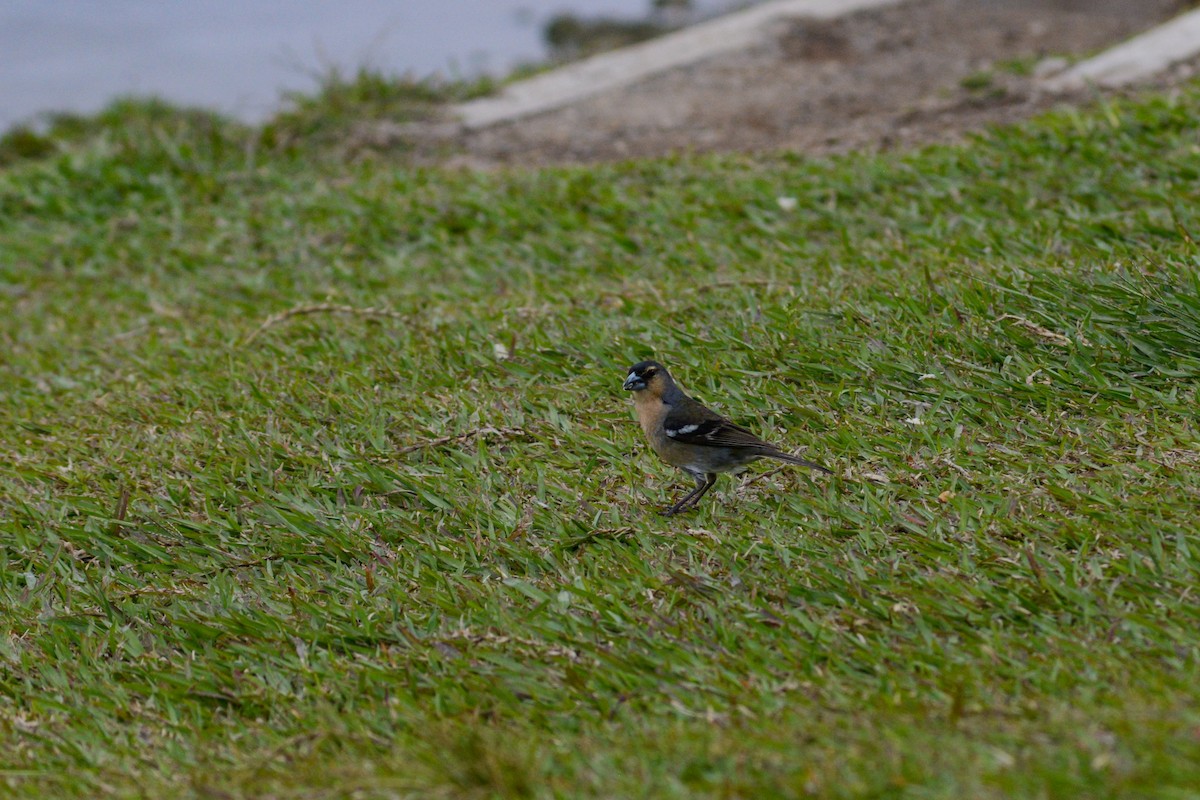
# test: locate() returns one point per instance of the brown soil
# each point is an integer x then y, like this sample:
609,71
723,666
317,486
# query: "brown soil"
923,71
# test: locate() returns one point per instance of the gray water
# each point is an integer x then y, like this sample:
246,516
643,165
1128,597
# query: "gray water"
237,56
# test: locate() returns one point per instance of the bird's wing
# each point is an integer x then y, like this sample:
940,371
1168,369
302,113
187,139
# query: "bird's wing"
692,423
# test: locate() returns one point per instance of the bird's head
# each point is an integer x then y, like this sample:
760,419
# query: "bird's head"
647,376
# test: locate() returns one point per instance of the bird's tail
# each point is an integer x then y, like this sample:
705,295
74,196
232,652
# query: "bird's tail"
782,456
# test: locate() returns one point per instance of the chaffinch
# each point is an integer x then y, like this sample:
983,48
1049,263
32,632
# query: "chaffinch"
687,435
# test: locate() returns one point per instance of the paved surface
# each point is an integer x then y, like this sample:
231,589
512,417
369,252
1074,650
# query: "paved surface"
1138,59
894,75
623,67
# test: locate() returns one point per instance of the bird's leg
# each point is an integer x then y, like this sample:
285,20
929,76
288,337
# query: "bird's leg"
710,480
683,501
703,484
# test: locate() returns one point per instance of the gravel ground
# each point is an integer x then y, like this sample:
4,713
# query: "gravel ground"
923,71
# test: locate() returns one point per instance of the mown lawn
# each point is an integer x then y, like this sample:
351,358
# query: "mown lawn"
406,544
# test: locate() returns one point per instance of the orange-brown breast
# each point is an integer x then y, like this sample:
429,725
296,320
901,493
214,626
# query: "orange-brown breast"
651,411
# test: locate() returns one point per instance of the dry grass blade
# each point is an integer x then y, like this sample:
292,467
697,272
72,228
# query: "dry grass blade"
502,433
733,283
1038,331
320,308
747,482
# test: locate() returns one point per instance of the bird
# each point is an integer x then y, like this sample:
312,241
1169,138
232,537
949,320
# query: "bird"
688,435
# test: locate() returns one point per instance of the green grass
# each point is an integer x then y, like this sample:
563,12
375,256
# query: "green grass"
417,553
339,121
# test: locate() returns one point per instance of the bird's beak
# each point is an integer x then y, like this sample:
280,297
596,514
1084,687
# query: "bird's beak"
633,383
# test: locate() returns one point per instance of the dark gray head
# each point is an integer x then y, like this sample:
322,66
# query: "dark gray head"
646,374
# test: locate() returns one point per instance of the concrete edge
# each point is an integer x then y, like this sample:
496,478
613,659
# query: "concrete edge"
1143,56
618,68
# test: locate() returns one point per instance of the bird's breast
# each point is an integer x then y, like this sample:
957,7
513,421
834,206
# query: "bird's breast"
650,413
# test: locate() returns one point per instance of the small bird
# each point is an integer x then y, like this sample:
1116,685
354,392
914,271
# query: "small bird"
687,435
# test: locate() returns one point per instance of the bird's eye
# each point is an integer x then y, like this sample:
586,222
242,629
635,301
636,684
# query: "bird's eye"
650,373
